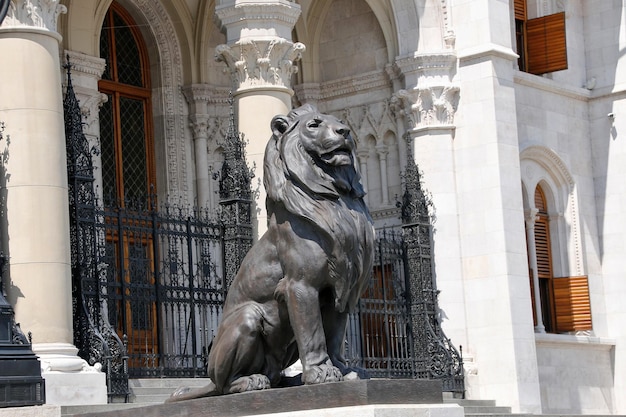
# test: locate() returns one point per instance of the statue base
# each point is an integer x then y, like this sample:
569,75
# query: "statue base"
374,397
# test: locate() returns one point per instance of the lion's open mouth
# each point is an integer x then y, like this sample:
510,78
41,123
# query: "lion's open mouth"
336,157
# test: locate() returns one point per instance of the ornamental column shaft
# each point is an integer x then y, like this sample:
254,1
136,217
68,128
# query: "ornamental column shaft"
260,56
198,97
36,217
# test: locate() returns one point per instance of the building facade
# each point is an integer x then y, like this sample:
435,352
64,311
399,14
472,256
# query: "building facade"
511,109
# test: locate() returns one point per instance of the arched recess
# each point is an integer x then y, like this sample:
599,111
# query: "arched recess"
172,151
311,29
541,166
207,37
394,180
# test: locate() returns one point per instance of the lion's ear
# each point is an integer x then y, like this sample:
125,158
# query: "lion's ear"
279,125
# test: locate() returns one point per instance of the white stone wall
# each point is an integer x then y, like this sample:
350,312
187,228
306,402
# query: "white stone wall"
576,374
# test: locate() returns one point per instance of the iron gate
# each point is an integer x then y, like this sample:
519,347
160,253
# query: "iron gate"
164,286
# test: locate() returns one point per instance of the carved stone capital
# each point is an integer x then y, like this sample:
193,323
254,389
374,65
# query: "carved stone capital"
200,125
430,106
530,216
37,14
261,63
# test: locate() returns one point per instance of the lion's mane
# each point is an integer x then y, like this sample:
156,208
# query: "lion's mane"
330,198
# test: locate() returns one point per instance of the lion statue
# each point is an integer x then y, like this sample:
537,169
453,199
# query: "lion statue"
291,297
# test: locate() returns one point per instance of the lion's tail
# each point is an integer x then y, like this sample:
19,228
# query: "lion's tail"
186,393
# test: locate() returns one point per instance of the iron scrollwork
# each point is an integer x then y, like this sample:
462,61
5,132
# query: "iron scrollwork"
96,340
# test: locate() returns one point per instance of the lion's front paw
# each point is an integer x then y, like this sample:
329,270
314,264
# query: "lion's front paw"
249,383
321,373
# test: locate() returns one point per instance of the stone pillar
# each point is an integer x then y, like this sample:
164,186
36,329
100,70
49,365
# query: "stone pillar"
363,155
198,98
531,216
36,212
428,104
86,72
383,151
260,56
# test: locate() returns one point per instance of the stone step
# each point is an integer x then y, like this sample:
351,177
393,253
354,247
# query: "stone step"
470,403
474,410
155,391
72,410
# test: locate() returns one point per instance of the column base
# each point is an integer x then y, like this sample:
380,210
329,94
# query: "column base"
70,380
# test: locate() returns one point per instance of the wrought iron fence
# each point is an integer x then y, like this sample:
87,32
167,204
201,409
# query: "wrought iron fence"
164,286
379,337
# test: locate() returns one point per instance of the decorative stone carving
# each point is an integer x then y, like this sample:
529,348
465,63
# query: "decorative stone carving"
255,63
431,99
86,71
430,106
449,37
42,14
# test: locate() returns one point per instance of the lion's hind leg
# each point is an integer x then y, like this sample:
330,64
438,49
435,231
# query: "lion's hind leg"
237,361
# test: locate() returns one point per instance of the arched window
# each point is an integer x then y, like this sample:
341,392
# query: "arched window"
128,171
543,246
564,302
128,178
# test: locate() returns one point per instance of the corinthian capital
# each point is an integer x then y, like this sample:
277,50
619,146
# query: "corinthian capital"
40,14
261,63
430,106
430,99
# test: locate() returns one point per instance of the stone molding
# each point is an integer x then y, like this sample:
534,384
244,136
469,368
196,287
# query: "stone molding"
86,71
355,84
449,36
264,18
308,92
62,357
85,64
38,14
200,94
556,168
261,63
432,68
172,99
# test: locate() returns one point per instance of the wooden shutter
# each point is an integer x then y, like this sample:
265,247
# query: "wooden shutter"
572,304
520,9
546,44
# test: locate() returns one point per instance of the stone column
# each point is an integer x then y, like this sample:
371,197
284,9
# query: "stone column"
531,216
198,97
363,155
260,56
36,222
382,151
428,104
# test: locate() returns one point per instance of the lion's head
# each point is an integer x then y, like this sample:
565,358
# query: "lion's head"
316,152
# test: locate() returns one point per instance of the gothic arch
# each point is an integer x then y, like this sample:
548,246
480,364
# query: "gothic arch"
311,30
542,166
167,78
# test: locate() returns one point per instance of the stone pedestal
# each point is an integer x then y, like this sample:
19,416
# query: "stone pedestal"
375,397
